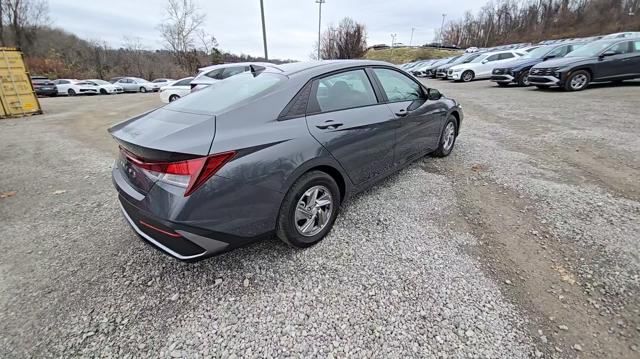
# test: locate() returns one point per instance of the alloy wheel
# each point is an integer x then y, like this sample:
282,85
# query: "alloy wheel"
578,81
313,211
449,136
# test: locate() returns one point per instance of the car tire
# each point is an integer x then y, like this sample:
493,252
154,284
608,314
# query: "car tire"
173,98
71,92
447,138
103,92
503,84
291,223
577,81
523,79
467,76
143,89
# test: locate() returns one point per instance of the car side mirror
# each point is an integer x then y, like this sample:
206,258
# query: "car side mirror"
433,95
549,57
608,53
485,61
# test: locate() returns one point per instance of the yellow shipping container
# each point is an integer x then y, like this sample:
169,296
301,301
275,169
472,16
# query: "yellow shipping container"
17,97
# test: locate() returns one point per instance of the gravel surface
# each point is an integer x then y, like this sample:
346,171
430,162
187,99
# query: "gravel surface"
516,246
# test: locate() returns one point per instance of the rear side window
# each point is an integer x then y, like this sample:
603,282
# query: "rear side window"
506,55
230,71
224,94
637,46
344,90
184,82
397,86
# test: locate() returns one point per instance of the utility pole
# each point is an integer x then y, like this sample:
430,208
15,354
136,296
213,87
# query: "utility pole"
441,30
319,2
264,31
411,40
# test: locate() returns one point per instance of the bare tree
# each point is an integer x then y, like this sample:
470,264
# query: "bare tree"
346,41
183,34
22,19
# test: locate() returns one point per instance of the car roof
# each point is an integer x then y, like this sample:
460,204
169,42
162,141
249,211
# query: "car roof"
233,64
315,68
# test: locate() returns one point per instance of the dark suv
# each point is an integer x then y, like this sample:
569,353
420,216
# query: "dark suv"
43,86
517,71
602,60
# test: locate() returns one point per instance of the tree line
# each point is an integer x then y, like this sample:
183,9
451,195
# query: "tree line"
53,52
512,21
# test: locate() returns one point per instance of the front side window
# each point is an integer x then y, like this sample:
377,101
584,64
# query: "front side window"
559,52
506,55
637,46
621,48
493,57
215,74
397,86
345,90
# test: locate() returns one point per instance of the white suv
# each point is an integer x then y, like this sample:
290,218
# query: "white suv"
210,74
482,66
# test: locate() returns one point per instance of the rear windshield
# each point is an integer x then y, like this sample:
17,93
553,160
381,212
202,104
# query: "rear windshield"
226,93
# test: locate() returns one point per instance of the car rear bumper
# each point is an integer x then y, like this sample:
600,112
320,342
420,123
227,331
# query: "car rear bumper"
544,80
191,229
502,78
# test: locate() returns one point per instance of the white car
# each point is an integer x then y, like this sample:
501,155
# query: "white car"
482,66
72,87
176,90
163,81
104,87
210,74
136,84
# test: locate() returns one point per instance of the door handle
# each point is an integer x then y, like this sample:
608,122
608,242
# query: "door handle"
329,124
401,113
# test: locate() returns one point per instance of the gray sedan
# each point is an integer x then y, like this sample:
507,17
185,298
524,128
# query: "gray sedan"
275,150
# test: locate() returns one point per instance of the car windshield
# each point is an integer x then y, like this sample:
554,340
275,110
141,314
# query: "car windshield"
537,53
224,94
590,50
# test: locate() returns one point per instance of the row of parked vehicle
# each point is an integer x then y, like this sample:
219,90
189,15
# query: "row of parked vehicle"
43,86
570,64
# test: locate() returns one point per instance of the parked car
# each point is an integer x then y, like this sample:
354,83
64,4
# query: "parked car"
426,68
115,79
431,72
136,84
471,49
482,66
441,71
105,87
274,150
72,87
175,90
163,81
43,86
517,71
614,59
212,74
624,35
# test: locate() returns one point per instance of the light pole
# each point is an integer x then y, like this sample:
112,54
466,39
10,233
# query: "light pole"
411,40
264,31
319,2
393,41
441,29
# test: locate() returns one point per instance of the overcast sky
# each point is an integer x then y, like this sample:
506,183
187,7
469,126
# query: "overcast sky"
292,25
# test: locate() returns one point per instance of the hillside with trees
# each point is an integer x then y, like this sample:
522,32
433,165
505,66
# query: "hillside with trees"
513,21
53,52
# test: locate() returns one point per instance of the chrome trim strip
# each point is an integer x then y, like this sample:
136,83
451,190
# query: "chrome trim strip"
157,244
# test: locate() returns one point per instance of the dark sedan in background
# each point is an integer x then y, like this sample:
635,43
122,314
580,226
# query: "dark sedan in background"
274,150
517,71
615,60
43,86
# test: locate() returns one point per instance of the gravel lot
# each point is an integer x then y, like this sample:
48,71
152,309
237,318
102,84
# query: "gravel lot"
523,243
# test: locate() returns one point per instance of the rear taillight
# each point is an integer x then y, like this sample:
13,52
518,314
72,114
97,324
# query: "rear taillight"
190,174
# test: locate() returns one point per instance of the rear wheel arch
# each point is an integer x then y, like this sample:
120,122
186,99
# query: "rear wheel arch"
327,166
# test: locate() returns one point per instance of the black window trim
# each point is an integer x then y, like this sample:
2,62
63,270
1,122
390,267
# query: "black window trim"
381,89
630,43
